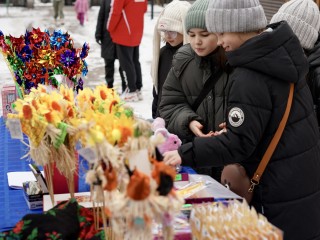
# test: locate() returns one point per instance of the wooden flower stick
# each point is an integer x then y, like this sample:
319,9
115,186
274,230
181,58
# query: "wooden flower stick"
49,173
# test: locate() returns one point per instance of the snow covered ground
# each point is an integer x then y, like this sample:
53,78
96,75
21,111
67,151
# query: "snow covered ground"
15,20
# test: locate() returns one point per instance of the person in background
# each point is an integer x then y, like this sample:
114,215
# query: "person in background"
125,24
58,16
265,61
108,49
194,66
170,29
81,7
304,19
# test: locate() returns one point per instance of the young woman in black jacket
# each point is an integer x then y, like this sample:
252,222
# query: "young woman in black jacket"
266,61
196,66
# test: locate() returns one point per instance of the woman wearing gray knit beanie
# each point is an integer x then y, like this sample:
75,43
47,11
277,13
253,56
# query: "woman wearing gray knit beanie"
267,61
304,18
187,110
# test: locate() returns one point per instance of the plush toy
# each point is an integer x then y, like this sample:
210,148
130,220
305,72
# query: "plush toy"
172,141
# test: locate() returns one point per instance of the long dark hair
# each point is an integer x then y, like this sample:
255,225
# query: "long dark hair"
221,58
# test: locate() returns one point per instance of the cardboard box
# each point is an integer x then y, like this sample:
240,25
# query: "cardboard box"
9,96
34,201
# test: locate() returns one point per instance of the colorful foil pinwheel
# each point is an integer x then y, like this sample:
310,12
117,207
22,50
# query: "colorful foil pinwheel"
39,57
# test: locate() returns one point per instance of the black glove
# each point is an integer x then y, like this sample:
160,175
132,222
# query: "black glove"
98,41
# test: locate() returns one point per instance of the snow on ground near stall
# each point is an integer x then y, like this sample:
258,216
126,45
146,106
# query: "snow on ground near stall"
15,21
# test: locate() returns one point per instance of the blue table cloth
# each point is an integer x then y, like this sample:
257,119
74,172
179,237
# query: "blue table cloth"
12,203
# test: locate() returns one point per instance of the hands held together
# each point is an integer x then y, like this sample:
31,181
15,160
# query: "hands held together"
196,128
173,158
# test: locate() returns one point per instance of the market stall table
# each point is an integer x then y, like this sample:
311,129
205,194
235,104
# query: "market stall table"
12,202
13,205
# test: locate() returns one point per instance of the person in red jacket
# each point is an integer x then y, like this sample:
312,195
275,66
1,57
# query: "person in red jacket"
125,24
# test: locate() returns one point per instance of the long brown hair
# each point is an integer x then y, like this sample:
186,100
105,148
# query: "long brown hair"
219,59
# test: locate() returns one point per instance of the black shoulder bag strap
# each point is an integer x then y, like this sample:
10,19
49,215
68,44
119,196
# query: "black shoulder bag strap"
208,86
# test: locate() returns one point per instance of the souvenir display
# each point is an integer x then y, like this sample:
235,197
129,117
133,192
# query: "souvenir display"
41,57
131,189
128,184
234,220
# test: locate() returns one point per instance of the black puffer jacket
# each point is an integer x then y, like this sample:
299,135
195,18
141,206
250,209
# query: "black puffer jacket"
313,78
107,46
289,191
182,87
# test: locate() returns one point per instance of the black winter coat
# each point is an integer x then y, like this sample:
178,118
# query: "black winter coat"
289,191
165,63
182,87
108,50
313,78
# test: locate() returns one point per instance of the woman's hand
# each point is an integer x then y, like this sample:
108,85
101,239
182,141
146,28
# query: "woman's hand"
196,127
223,130
172,158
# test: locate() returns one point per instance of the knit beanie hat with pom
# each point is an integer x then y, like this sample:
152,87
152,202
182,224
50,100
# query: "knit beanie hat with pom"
304,19
170,19
196,15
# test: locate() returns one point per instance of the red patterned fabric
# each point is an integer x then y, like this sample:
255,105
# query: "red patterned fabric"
67,220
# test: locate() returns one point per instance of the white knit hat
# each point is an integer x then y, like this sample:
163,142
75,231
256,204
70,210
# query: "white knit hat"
170,19
304,19
235,16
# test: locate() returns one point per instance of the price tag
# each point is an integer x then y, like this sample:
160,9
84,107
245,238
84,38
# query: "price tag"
15,129
178,177
88,154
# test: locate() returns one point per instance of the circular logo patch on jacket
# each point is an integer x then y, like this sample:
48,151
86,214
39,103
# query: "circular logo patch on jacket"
236,117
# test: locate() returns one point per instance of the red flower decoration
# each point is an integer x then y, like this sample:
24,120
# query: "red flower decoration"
34,74
2,44
17,229
36,36
38,57
17,42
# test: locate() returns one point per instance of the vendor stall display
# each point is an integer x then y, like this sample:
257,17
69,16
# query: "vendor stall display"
128,184
120,148
131,189
41,57
232,220
46,69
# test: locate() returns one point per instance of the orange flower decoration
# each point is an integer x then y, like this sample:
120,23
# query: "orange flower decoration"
139,186
111,176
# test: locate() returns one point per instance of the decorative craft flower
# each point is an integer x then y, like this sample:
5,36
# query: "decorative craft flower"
38,56
68,58
58,39
25,54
